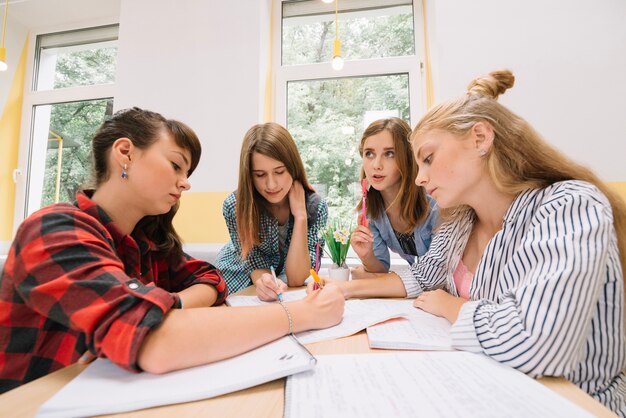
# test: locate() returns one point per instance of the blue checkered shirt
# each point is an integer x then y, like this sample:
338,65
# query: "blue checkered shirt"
268,253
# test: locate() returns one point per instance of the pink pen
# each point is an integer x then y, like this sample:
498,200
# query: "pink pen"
363,202
317,256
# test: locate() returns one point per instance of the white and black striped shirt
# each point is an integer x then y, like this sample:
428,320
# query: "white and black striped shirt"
547,297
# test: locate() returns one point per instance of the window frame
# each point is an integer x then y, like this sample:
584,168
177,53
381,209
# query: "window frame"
412,65
33,98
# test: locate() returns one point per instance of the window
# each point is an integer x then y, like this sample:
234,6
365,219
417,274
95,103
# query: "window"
325,110
327,118
71,95
78,58
367,29
68,128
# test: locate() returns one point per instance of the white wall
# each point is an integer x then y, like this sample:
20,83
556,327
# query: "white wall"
199,62
569,58
205,62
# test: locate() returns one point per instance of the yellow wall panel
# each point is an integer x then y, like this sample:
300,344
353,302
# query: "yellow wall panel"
9,144
200,219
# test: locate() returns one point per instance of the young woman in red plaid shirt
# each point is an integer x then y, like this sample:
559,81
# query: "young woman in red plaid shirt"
107,276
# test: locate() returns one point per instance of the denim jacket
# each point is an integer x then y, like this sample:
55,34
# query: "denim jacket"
385,239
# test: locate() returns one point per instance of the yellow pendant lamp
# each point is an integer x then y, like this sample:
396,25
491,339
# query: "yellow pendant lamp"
337,62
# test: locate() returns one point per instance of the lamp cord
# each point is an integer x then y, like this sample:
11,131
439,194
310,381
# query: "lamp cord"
4,26
336,19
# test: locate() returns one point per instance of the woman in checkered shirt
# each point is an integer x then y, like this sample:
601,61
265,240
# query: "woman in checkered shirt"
273,217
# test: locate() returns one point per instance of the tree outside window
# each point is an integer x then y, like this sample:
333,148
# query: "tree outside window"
73,82
73,124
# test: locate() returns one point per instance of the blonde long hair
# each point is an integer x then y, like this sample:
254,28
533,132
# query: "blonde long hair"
519,159
274,141
415,206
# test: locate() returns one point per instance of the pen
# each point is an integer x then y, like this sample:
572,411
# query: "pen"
280,295
317,256
318,281
363,202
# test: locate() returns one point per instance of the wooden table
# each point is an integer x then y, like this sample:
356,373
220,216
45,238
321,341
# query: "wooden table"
265,400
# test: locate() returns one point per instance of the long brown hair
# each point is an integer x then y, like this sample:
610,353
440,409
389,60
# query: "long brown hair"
415,206
142,127
273,141
519,159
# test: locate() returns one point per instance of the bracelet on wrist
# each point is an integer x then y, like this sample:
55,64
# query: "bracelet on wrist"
288,315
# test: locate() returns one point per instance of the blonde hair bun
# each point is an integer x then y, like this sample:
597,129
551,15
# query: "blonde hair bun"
492,85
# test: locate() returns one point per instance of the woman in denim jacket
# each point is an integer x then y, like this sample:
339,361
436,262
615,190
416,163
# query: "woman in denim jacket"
400,217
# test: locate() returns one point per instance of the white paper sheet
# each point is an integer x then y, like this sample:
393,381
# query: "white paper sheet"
419,330
358,315
255,301
104,388
428,384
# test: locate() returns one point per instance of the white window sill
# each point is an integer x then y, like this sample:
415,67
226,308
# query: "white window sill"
208,252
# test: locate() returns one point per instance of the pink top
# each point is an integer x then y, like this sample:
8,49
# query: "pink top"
463,279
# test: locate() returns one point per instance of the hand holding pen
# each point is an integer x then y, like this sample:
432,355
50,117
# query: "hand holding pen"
269,287
318,282
279,293
325,284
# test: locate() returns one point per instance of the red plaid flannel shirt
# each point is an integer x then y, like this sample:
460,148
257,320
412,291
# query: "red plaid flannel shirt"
74,282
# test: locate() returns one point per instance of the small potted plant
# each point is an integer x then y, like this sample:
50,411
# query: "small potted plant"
337,237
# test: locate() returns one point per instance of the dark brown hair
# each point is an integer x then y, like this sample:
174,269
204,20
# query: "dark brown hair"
142,127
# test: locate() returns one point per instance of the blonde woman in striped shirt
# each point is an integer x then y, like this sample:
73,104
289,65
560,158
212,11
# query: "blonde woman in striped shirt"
530,252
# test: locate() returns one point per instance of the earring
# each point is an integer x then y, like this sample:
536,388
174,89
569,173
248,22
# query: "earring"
482,152
124,173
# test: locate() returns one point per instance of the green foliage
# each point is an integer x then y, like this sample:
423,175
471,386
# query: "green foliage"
76,123
361,38
87,67
337,237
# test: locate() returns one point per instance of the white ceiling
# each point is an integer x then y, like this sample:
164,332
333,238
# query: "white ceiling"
34,14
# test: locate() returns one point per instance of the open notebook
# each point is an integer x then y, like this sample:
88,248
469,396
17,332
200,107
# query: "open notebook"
92,392
417,330
428,384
